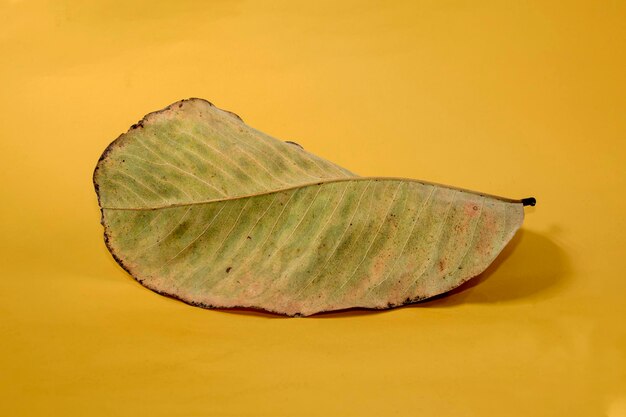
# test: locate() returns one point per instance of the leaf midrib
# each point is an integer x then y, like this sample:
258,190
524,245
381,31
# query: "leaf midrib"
313,183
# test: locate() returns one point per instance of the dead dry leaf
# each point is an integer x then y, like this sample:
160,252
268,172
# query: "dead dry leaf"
199,206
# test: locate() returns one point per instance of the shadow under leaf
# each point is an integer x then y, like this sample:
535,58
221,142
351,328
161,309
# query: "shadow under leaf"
531,266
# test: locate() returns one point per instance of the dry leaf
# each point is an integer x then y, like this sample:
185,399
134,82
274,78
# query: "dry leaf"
199,206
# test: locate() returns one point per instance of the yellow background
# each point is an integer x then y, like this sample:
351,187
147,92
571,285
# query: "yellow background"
512,98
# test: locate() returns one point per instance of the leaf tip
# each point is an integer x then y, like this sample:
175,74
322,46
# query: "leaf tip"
529,201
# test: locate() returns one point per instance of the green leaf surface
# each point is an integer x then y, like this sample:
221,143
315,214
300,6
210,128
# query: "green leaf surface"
199,206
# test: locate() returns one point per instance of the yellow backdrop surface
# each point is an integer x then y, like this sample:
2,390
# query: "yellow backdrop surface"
510,98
